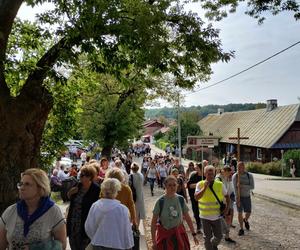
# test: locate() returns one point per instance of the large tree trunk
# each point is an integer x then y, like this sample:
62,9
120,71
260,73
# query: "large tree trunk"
106,151
22,122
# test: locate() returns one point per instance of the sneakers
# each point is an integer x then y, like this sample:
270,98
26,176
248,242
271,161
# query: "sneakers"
241,232
229,240
247,226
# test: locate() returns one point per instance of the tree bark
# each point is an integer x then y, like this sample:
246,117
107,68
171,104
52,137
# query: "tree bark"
106,152
22,122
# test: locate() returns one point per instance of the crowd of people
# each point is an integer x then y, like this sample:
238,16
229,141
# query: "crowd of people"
107,204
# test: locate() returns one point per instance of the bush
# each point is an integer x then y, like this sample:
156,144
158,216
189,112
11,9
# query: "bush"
270,168
162,144
295,155
158,136
254,167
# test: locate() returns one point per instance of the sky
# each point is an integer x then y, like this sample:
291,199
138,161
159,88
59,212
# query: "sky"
278,78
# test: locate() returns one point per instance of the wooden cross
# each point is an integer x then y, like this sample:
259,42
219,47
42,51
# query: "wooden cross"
238,138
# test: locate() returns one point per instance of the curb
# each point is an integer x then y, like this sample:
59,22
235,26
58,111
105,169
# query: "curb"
283,179
280,202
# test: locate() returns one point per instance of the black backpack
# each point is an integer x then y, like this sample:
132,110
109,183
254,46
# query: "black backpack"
133,190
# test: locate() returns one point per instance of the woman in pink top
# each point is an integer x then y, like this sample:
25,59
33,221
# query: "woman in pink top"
103,168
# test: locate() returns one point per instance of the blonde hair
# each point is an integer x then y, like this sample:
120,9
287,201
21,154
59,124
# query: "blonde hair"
93,161
115,173
110,188
41,179
118,163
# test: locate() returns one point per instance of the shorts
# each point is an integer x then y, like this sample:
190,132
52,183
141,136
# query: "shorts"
245,205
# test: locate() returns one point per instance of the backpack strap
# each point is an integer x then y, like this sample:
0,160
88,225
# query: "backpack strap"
248,177
161,204
181,201
219,178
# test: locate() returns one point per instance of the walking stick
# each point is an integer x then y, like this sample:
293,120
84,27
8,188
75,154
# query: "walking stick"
238,198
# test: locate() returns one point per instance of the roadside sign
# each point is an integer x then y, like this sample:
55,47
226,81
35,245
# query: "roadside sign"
194,141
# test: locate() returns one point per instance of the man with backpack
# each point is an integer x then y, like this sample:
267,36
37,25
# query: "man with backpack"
210,194
245,184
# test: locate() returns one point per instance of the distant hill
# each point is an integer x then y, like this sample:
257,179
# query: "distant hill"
203,111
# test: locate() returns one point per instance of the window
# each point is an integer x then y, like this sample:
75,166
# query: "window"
258,154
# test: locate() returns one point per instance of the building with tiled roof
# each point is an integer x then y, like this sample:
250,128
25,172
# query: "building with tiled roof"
271,130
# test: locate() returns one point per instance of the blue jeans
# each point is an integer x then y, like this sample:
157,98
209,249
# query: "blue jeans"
151,181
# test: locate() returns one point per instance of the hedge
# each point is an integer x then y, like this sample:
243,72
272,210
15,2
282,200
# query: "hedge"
270,168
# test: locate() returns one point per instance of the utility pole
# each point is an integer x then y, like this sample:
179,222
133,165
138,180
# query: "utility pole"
179,130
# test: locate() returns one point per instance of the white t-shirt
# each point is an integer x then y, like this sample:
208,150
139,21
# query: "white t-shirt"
211,217
83,156
40,230
163,171
151,173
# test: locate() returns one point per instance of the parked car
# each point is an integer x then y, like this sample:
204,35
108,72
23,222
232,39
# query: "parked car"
67,162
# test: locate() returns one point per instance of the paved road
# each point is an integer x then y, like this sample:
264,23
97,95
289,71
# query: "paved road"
284,191
273,226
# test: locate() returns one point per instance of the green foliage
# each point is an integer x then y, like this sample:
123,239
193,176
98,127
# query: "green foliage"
189,126
270,168
291,154
162,143
27,43
158,42
295,155
112,112
62,123
158,136
199,111
216,10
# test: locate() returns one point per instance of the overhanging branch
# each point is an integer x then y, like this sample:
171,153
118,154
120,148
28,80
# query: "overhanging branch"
33,86
8,12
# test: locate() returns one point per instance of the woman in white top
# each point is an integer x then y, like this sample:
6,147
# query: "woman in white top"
163,173
138,180
34,222
108,224
152,175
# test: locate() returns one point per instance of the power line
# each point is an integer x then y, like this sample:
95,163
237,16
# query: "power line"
236,74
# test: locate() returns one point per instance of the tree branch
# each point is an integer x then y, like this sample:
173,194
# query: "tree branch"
8,12
33,87
123,98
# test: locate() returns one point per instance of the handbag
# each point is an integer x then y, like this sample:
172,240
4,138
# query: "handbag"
136,238
222,205
133,190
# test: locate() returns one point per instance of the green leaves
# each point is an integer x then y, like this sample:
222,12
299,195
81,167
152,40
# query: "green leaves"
217,10
112,113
